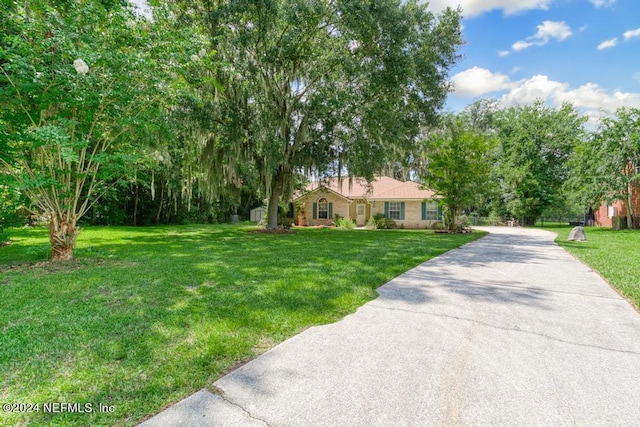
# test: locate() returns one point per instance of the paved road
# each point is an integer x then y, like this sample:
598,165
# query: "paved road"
508,330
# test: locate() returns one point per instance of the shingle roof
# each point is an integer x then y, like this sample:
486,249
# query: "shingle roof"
381,188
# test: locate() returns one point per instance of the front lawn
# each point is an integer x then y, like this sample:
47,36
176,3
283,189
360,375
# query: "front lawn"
146,316
614,254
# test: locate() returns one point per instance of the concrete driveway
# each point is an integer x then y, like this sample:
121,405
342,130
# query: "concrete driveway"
507,330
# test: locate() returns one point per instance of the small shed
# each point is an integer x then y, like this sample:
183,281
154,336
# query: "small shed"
257,213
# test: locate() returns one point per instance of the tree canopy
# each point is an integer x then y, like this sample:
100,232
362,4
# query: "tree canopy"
80,89
322,86
457,165
534,145
605,166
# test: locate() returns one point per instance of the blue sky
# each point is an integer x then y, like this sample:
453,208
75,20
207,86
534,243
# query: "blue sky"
586,52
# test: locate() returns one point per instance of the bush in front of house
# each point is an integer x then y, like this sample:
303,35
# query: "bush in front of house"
438,225
384,223
286,223
345,223
371,224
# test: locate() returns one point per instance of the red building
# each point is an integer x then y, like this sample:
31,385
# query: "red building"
606,212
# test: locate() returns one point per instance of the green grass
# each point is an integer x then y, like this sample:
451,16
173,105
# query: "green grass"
614,254
146,316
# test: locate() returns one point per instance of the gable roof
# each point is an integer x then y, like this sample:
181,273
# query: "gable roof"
381,188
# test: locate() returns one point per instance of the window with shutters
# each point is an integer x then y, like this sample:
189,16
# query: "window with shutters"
394,210
431,211
323,209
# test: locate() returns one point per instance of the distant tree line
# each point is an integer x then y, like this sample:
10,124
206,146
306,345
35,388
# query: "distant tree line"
531,161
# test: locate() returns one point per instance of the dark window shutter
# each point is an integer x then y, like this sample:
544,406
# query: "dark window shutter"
424,211
330,210
401,210
315,210
386,209
439,213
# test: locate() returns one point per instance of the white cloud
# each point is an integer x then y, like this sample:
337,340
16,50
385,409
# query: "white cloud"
537,87
553,30
503,52
590,98
521,45
477,81
473,8
631,33
547,31
603,3
608,43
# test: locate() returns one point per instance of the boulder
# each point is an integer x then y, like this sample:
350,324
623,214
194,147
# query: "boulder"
577,234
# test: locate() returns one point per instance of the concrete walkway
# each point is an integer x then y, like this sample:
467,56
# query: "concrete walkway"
508,330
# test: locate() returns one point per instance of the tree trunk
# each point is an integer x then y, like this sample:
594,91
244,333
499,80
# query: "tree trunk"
629,204
135,204
161,202
62,235
272,207
452,219
277,190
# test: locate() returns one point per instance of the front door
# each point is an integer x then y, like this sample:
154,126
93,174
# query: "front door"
360,214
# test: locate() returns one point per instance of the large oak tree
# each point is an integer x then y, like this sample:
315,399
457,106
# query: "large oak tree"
320,85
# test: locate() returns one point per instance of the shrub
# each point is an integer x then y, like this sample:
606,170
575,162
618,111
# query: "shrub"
496,220
263,221
438,225
287,222
371,224
345,223
382,222
463,221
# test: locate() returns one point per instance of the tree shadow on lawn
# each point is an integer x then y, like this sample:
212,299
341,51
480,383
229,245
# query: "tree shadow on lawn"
144,335
144,346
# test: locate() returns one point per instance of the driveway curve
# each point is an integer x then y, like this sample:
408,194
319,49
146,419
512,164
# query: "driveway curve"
507,330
